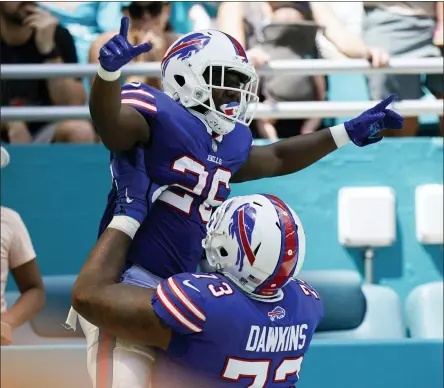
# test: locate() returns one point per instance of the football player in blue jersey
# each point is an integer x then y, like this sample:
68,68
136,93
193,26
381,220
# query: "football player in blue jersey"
248,323
196,139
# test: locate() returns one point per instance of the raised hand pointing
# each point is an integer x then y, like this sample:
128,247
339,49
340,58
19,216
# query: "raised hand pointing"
365,129
118,52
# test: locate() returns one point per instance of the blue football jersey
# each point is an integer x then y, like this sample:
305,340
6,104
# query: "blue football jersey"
190,169
223,338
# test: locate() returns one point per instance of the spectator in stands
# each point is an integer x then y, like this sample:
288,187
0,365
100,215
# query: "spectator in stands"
283,41
341,36
85,20
199,18
18,255
32,35
211,9
189,16
148,23
407,29
244,21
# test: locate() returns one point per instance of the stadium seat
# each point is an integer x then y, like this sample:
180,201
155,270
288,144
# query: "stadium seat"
353,310
47,327
424,311
344,302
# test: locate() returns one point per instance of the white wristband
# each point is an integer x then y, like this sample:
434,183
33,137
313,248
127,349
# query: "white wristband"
109,76
340,135
125,224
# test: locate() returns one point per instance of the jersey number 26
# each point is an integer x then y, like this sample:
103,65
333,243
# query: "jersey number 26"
184,202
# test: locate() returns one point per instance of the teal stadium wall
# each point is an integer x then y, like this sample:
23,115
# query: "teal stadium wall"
60,192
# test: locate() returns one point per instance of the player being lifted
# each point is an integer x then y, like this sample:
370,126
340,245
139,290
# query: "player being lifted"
247,324
196,142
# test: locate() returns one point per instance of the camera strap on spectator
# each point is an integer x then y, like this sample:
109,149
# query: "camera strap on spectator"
289,41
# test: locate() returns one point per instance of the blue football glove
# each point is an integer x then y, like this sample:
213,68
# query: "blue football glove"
365,129
132,183
117,52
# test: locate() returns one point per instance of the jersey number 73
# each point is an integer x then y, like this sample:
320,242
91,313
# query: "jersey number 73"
259,370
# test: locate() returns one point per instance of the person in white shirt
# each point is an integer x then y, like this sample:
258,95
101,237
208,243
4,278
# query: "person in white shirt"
18,256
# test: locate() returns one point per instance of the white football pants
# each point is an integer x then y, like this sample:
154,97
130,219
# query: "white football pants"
112,362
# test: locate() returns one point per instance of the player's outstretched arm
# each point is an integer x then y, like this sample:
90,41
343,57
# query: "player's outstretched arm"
120,126
296,153
121,310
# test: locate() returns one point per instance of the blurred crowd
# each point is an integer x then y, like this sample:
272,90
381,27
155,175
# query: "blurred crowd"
73,32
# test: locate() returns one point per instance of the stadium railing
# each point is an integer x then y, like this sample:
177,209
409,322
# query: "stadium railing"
305,67
278,110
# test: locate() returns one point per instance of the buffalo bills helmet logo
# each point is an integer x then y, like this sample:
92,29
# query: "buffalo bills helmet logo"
185,48
277,313
239,50
241,227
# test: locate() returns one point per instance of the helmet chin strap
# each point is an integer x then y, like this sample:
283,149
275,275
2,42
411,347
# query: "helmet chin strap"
218,123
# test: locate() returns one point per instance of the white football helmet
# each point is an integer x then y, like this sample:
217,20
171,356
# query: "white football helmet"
257,242
183,68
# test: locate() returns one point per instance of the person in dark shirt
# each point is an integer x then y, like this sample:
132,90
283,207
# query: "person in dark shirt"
29,34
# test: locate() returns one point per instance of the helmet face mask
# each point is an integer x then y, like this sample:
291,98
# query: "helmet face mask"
196,70
257,242
229,100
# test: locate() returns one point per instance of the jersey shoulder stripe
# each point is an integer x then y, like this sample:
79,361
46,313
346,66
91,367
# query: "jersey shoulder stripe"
185,300
137,96
180,305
